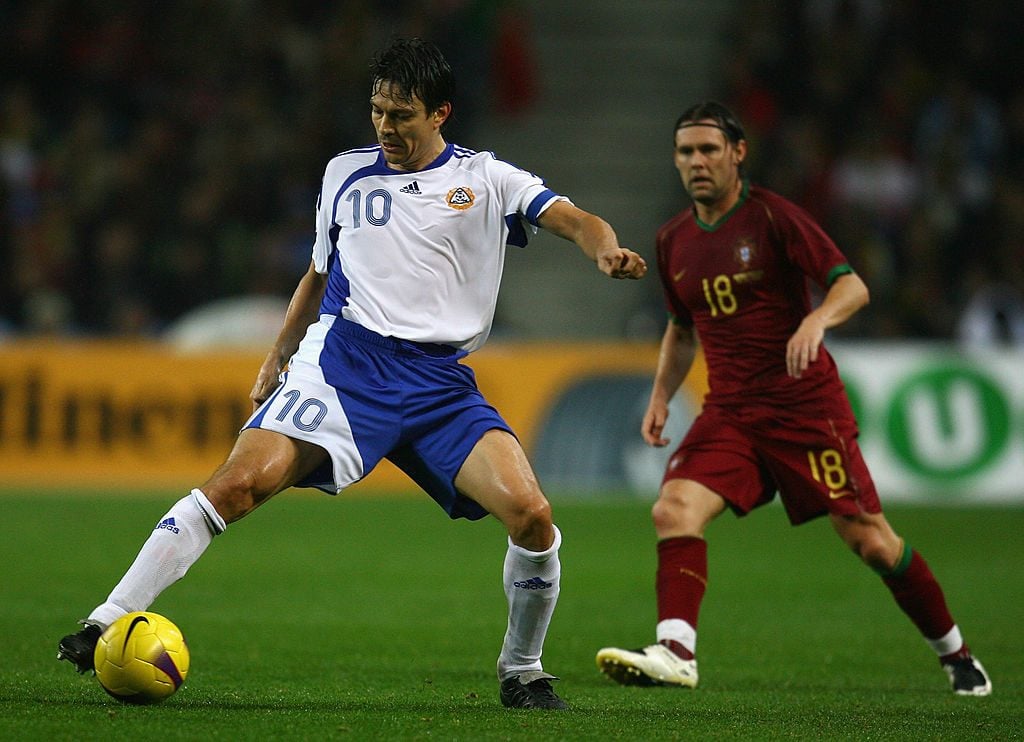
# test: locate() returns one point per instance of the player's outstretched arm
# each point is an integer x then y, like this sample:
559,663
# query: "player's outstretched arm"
847,294
303,310
595,237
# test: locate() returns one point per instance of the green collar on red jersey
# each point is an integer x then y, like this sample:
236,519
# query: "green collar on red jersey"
744,192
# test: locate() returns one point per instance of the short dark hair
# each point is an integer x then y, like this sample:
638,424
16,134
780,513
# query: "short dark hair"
415,69
712,110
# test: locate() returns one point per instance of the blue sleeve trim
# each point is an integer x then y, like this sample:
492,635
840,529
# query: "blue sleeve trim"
517,236
537,205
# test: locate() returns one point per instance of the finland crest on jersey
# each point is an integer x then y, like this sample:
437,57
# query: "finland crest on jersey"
419,255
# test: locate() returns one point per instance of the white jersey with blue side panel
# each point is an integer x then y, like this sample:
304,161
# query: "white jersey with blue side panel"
419,255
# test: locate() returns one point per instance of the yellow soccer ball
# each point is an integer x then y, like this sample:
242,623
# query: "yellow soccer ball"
141,658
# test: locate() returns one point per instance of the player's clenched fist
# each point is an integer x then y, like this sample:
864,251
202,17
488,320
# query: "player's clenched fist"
622,263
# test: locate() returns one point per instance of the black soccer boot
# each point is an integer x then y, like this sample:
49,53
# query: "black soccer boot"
78,648
531,690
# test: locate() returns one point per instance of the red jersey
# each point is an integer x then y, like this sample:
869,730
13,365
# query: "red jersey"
742,283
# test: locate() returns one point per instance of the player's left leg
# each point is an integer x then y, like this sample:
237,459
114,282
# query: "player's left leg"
918,594
497,475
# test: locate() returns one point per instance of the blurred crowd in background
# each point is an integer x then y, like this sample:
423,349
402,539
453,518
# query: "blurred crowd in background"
900,126
155,159
153,162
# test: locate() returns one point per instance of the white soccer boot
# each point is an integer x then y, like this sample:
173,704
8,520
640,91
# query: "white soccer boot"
653,665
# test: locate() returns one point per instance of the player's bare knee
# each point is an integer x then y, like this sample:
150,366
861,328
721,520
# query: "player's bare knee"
871,539
233,492
674,515
874,551
530,525
663,514
536,515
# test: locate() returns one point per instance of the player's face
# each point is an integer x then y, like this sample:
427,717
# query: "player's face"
708,163
409,135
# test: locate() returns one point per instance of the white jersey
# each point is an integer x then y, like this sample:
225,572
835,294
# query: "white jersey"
419,255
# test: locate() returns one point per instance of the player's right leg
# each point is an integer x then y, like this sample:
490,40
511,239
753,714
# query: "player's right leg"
261,464
682,512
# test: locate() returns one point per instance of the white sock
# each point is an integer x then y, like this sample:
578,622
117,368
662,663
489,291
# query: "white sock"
948,644
531,586
178,540
678,630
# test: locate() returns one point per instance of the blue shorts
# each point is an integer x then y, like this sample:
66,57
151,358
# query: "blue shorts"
368,397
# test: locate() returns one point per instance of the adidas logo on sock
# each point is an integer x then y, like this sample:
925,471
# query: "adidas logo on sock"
413,188
534,583
168,525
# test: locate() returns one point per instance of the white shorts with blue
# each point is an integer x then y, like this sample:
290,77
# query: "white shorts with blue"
363,397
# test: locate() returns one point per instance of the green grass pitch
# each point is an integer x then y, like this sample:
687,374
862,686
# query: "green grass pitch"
359,618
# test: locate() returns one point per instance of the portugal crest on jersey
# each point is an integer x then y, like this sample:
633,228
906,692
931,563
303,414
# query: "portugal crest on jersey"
744,252
460,198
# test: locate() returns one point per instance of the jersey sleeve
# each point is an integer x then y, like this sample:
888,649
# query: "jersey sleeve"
324,240
674,307
525,197
809,246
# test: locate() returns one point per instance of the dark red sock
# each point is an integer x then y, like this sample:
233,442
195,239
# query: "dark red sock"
918,593
682,577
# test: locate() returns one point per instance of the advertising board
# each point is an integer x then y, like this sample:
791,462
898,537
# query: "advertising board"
937,425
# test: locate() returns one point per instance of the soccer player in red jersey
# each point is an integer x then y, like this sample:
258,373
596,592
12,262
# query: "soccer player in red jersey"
734,270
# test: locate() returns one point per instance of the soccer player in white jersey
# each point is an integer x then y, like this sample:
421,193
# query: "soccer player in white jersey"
410,240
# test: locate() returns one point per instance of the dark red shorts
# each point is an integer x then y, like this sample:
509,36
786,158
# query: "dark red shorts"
813,462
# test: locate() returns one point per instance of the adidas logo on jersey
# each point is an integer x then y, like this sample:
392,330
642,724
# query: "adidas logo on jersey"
413,188
534,583
167,524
